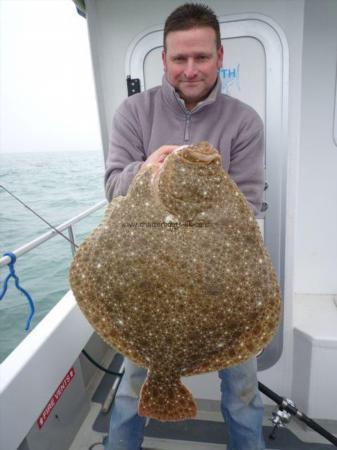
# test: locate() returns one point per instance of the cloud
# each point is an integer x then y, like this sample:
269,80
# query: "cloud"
47,89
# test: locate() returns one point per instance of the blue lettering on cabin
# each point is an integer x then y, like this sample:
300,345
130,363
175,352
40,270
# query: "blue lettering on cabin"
230,76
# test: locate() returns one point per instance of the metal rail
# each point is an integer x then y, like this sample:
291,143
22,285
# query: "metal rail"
52,233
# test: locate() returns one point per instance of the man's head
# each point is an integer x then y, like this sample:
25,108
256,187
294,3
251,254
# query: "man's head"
192,51
192,15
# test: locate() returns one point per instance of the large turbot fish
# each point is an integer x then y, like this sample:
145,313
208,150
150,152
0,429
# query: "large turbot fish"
177,278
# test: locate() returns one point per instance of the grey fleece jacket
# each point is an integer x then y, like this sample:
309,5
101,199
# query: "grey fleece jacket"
157,117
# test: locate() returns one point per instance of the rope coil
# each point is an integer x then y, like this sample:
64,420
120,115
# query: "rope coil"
13,275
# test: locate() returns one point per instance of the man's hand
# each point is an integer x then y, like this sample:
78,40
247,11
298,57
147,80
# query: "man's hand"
157,157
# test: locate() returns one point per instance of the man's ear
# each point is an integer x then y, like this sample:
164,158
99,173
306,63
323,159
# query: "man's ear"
220,57
163,57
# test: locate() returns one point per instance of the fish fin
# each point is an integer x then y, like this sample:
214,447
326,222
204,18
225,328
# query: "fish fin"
166,399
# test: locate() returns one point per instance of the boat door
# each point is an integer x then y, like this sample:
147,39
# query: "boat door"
254,71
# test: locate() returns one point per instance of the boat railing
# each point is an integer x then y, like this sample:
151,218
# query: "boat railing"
49,350
68,225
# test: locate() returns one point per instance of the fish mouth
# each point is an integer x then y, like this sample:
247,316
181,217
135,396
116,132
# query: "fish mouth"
202,153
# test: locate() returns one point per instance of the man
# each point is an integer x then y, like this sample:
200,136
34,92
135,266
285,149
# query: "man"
189,108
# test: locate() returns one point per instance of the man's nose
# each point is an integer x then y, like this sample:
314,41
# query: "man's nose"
190,69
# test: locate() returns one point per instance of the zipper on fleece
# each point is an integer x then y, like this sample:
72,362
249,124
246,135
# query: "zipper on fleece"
187,127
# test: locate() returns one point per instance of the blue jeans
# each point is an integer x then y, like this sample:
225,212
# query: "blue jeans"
241,407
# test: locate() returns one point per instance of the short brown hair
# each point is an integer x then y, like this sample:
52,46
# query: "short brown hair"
192,15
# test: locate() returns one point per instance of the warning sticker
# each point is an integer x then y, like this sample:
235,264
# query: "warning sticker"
55,398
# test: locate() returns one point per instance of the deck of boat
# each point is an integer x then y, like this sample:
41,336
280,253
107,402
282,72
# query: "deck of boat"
206,432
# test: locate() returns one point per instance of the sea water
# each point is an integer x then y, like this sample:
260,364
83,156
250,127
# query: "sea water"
58,186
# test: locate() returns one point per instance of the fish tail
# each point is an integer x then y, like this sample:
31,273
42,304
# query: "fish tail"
166,398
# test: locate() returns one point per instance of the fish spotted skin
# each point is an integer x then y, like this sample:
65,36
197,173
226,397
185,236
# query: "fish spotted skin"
177,277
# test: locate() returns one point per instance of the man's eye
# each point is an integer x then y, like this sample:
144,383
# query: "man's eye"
179,59
202,58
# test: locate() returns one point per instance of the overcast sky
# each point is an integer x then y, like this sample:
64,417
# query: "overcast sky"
47,96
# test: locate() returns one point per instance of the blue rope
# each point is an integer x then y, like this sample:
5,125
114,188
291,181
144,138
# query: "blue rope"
12,274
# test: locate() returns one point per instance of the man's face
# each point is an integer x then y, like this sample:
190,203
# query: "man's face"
191,62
